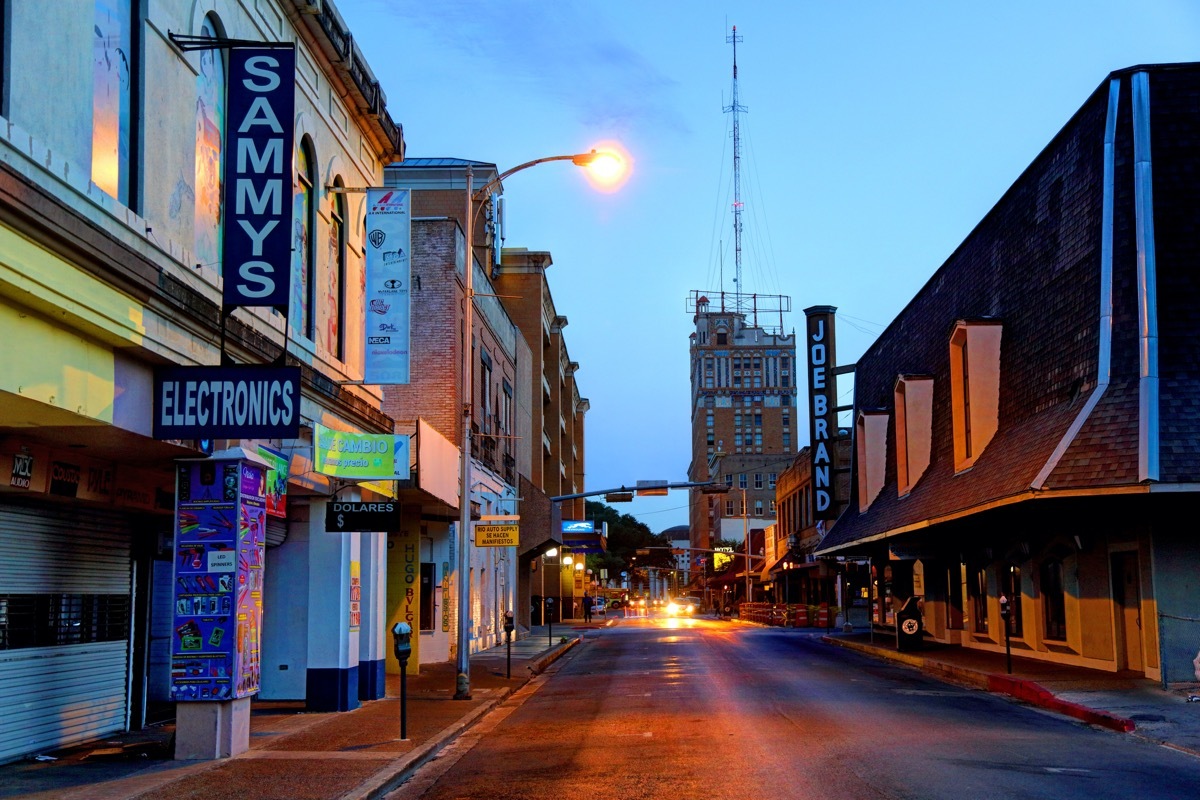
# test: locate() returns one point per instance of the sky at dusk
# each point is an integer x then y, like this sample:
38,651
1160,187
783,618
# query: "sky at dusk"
878,134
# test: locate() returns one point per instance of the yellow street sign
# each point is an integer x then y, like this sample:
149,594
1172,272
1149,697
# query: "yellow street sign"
497,535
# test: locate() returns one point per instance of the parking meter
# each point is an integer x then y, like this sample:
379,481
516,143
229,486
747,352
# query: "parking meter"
402,642
1004,612
509,625
402,647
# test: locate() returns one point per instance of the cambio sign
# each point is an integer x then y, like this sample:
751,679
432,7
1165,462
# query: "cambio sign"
258,165
818,344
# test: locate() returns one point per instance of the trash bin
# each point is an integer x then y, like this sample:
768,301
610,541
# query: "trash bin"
908,625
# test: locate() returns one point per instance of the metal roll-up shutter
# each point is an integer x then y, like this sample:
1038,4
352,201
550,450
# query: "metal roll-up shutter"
65,606
276,531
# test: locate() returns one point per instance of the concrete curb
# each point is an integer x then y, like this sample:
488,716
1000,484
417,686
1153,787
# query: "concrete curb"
395,773
546,659
1026,691
391,777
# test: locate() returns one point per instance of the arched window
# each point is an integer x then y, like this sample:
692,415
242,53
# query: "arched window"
335,300
304,212
210,133
112,97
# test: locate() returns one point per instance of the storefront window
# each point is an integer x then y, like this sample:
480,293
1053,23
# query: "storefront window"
1054,607
1011,588
978,590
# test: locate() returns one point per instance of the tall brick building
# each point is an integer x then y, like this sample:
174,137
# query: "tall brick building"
557,412
528,415
743,407
1026,456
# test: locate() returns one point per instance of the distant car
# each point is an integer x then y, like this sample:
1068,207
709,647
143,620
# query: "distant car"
599,605
682,607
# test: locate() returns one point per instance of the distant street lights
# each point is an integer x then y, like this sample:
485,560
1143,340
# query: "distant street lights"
611,169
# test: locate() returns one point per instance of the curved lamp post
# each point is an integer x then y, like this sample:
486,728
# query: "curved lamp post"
609,164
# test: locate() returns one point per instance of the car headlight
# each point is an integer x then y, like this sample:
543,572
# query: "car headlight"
672,609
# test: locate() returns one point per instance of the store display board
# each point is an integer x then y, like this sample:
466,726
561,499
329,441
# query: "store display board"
220,540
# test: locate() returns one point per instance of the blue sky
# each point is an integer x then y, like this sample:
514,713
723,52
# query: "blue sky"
877,135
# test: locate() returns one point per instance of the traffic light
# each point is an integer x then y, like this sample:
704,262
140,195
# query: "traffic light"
618,497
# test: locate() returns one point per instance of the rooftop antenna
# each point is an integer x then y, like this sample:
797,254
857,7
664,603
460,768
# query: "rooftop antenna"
736,108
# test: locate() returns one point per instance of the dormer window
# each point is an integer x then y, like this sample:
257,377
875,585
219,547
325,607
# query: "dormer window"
974,388
871,455
913,396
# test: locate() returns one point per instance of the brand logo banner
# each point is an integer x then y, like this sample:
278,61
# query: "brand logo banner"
388,272
242,402
370,456
257,242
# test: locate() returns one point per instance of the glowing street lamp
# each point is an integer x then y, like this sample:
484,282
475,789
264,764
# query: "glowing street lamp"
610,169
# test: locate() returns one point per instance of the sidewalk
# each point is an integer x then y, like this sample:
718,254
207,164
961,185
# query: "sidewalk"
353,755
1118,701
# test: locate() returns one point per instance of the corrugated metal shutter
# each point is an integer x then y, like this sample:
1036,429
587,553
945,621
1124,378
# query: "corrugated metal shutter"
48,550
54,696
277,531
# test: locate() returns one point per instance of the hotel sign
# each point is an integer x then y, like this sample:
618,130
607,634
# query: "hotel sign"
822,397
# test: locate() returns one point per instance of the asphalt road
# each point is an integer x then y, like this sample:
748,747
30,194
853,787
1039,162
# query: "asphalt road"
700,709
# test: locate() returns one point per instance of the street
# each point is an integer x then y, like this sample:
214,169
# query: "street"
696,708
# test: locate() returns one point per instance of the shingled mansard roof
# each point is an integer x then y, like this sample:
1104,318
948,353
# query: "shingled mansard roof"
1035,264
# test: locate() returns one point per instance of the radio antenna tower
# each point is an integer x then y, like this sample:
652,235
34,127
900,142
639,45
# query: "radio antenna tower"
747,304
736,108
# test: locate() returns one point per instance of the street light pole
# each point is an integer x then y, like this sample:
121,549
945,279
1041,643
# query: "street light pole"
462,689
746,534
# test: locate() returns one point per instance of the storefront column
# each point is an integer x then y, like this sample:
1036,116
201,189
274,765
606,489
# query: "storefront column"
372,656
333,647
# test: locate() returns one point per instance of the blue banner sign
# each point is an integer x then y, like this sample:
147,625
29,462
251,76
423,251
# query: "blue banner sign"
578,526
241,402
257,202
388,273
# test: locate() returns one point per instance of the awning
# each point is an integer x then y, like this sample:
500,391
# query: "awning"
801,566
769,567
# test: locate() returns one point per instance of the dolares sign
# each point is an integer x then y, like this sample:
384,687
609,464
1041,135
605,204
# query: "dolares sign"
257,248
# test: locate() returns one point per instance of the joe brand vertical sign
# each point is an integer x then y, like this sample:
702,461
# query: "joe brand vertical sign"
256,253
822,393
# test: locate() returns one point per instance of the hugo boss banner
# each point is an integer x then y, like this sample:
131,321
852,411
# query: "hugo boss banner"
257,200
241,402
388,270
